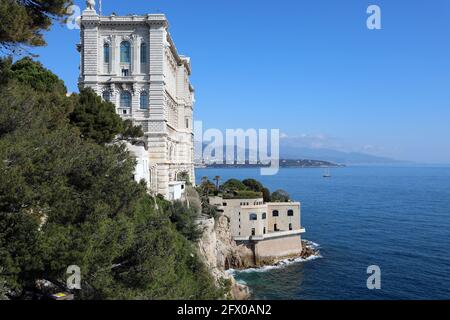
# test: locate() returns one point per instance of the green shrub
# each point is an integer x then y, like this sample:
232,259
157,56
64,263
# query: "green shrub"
206,187
66,200
184,176
245,194
266,195
280,196
253,185
233,185
185,220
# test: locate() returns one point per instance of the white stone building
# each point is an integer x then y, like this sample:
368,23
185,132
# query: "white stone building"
133,62
141,170
271,229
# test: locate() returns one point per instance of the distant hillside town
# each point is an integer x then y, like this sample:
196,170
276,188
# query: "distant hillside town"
284,163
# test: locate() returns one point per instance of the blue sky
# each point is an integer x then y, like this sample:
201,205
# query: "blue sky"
310,68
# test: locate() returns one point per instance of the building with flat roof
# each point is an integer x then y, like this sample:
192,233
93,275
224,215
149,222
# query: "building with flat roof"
271,229
132,62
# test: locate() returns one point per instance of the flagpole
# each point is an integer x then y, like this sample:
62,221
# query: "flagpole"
100,7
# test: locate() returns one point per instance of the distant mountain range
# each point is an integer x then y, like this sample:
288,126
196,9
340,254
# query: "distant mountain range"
340,157
284,163
331,157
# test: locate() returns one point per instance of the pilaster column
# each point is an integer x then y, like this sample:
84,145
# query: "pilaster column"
138,56
157,42
114,54
135,54
117,62
89,22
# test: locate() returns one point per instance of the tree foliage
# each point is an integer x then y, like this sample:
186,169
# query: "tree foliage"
280,196
96,119
36,76
233,185
185,220
184,176
130,131
3,289
206,187
23,21
26,104
246,189
266,195
70,200
242,194
253,185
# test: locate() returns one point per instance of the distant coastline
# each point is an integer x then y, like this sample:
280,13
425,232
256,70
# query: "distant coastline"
284,163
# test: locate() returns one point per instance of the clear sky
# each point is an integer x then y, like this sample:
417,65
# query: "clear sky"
310,68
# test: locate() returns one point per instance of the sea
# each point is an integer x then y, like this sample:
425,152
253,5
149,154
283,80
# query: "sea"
395,218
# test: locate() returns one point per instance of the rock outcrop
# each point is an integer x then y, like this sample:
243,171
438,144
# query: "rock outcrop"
220,253
308,251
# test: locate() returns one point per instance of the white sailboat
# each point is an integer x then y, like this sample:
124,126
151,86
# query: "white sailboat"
327,173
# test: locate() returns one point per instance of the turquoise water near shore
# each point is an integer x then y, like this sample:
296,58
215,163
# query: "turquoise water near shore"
396,218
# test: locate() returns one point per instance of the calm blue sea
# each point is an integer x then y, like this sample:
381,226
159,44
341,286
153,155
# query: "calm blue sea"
396,218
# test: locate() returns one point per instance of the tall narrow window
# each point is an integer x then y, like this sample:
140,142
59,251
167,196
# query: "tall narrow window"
106,53
143,52
125,99
125,52
106,96
290,226
144,100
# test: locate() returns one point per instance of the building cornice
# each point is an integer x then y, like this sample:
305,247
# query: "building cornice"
181,60
132,20
292,203
149,19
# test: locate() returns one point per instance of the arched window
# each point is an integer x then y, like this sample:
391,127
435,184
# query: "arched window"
125,99
275,213
253,216
143,52
125,52
106,96
144,100
106,53
290,213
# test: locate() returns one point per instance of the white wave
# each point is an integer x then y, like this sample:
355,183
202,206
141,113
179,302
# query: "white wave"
282,263
312,243
279,265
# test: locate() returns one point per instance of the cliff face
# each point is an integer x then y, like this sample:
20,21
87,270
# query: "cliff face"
220,252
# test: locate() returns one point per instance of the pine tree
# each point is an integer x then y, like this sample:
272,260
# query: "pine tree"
23,22
70,200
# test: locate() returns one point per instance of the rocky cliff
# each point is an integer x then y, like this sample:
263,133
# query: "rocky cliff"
220,253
